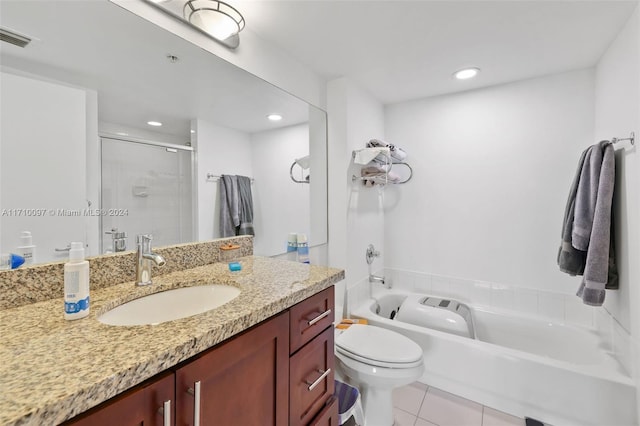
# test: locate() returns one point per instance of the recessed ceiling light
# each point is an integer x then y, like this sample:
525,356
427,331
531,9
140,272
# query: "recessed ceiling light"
154,123
274,117
122,134
193,131
466,73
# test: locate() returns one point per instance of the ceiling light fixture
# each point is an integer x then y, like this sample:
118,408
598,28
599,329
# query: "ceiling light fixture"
154,123
274,117
466,73
216,18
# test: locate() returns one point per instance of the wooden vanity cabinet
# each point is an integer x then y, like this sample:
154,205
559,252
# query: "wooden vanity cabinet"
278,373
143,405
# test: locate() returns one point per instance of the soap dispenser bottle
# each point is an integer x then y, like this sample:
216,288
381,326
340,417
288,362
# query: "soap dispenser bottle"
26,248
76,284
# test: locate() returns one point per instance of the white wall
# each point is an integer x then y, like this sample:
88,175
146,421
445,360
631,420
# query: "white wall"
617,114
44,131
281,206
617,109
356,216
492,170
220,150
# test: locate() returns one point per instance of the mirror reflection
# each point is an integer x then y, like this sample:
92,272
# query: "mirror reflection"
113,127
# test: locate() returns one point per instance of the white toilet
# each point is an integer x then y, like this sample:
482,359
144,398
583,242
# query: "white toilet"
376,361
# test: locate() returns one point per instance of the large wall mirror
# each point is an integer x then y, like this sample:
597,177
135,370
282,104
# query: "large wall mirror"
78,159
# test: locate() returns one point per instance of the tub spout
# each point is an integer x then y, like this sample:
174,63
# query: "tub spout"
381,280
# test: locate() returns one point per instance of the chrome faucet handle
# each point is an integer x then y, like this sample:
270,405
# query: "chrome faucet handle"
143,238
371,254
118,240
115,234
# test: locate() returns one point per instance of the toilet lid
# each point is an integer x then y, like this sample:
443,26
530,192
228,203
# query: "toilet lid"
368,342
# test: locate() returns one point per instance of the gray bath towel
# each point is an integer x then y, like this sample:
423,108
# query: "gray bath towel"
571,260
229,206
586,247
246,206
595,208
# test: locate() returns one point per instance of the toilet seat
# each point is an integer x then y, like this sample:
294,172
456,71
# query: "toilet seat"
378,347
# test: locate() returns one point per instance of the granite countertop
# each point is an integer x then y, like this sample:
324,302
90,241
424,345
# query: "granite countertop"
52,369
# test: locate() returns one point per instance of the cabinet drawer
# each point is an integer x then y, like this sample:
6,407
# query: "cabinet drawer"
310,317
311,378
328,416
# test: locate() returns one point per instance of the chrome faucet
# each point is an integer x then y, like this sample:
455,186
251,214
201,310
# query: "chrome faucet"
118,240
145,258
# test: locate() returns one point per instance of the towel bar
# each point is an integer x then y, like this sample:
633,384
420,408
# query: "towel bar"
382,180
631,138
214,178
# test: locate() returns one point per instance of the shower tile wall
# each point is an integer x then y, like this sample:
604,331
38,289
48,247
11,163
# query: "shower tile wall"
149,189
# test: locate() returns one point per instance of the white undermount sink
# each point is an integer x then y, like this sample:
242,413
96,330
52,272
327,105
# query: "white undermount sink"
170,305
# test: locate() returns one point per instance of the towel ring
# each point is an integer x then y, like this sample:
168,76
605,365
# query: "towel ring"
294,179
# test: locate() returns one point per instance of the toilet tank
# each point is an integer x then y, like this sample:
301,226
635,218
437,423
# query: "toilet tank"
437,313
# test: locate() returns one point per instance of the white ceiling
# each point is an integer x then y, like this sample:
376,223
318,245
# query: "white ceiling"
398,50
401,50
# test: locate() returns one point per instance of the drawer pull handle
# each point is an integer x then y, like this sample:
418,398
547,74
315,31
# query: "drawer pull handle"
319,317
165,412
319,379
196,402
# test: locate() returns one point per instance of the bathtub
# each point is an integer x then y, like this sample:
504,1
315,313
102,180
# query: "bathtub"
528,367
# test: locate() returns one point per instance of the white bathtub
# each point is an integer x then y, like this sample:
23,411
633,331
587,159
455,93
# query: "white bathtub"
557,373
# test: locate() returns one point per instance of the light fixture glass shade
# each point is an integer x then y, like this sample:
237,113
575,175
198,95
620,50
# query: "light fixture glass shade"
216,18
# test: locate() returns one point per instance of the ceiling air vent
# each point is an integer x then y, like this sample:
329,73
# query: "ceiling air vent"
13,38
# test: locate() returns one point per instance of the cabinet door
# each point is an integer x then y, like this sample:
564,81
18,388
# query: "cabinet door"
140,406
311,382
242,381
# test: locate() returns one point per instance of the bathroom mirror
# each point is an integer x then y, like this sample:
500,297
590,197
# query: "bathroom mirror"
78,159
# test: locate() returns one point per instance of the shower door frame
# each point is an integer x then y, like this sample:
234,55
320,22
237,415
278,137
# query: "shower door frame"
194,188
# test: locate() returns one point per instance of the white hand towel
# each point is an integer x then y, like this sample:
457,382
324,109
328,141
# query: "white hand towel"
366,155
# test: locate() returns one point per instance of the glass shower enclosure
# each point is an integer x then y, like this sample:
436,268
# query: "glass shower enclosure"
146,188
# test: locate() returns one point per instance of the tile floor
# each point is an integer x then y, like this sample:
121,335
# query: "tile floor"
421,405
